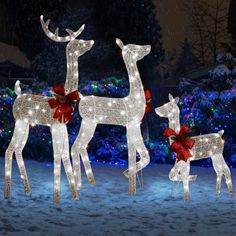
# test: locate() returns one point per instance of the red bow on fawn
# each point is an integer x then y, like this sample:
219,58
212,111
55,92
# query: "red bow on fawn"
182,143
64,104
148,97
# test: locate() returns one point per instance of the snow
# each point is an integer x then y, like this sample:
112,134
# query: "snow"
107,209
220,70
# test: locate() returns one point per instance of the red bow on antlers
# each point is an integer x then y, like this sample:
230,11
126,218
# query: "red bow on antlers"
63,103
182,143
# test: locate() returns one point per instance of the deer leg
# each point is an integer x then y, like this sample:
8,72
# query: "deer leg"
219,172
57,177
174,175
67,164
8,161
228,179
61,151
186,189
227,175
183,169
79,148
20,139
221,169
76,167
131,172
70,175
218,182
8,168
140,148
57,146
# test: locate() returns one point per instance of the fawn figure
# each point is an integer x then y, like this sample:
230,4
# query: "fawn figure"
208,145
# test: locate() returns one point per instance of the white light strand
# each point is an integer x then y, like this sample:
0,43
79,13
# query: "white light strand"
128,111
33,110
209,145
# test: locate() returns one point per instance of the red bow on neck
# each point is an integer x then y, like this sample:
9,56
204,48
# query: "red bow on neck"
182,144
63,103
148,97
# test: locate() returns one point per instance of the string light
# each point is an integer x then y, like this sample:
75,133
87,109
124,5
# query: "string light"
127,112
31,109
209,145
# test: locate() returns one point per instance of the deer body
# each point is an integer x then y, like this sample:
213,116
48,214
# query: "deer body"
24,108
31,109
110,110
127,112
208,145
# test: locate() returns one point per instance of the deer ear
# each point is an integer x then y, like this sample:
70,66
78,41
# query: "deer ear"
176,100
81,29
171,98
119,43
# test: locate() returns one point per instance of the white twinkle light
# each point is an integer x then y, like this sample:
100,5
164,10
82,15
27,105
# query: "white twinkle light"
205,145
35,109
116,111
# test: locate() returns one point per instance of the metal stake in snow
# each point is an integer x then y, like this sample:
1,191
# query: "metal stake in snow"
209,145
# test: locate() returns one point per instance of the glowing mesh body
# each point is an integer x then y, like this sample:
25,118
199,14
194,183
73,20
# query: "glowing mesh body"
127,112
34,109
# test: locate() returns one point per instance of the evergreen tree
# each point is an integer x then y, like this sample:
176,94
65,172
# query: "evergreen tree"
133,21
25,24
186,61
232,25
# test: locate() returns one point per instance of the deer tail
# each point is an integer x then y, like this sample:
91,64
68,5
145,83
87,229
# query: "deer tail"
17,88
221,132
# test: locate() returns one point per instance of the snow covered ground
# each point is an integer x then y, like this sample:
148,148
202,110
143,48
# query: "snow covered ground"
107,209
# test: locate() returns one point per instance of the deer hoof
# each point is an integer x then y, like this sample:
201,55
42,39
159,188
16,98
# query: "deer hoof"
186,197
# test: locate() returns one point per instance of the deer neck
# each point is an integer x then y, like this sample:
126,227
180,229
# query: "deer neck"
174,123
135,82
72,75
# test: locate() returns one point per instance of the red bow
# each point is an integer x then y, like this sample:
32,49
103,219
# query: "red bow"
63,103
148,97
182,144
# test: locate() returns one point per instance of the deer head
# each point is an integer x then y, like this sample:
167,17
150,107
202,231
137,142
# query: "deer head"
136,52
169,109
74,46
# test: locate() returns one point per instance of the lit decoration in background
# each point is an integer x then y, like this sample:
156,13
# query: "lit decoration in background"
209,145
31,109
127,111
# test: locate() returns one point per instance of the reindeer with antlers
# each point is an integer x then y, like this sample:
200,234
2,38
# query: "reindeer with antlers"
208,145
31,109
127,111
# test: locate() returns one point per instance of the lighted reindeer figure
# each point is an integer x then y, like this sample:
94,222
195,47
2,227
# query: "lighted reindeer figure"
209,145
31,109
127,111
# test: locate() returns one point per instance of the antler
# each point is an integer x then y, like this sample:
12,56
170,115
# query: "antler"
54,36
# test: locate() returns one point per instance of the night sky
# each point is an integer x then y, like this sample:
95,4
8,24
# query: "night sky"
172,17
171,14
174,21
